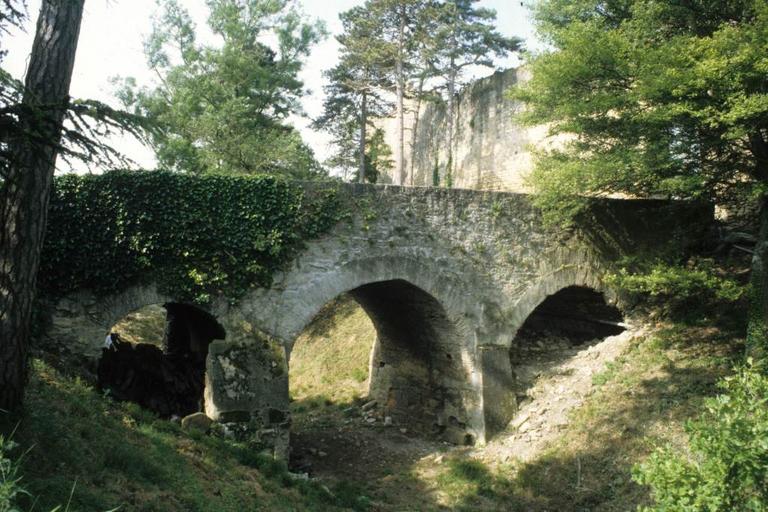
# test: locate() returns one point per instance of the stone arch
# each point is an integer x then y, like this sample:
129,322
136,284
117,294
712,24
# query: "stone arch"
165,371
419,369
444,384
284,310
80,321
584,276
499,381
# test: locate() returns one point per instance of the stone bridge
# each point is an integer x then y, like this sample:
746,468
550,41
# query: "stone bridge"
447,278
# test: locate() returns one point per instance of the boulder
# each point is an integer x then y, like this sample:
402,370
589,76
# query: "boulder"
197,421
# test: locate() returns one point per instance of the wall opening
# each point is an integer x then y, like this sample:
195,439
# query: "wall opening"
155,357
566,322
396,355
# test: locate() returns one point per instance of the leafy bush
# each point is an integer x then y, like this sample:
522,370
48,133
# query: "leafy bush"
727,470
195,236
10,489
678,285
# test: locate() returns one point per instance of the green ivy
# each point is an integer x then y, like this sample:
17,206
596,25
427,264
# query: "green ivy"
195,236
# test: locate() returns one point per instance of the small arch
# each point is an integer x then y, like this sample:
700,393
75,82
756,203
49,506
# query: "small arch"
156,357
564,323
561,324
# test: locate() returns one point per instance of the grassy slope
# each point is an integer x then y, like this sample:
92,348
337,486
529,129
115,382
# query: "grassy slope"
329,362
118,455
641,401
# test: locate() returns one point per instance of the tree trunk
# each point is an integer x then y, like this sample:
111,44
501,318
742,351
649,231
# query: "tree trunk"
26,191
400,92
450,115
415,128
361,142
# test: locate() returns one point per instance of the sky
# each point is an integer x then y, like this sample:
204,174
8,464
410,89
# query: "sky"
111,44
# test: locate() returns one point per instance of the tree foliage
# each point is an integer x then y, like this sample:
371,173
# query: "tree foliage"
223,107
394,51
353,93
653,98
87,126
728,468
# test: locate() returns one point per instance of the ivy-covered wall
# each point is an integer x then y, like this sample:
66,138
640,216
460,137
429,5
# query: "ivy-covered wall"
195,236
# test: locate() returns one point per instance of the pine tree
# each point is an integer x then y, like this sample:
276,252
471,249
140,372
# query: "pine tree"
465,36
353,94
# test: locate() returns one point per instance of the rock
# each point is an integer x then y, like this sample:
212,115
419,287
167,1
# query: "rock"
369,405
519,421
197,421
403,430
387,421
321,453
370,420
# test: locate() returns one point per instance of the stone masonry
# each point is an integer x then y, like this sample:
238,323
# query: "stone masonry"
447,277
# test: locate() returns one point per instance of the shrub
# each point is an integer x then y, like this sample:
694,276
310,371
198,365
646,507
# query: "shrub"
678,285
10,488
727,469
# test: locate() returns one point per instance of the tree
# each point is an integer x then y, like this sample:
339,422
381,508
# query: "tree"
655,98
464,36
396,24
27,182
223,108
353,92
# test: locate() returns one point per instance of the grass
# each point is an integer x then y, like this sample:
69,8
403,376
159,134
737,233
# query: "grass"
641,401
98,454
329,362
145,325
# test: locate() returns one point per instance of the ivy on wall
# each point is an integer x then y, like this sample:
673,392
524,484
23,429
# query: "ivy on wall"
195,236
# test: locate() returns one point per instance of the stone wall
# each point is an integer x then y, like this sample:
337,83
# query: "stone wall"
447,276
491,150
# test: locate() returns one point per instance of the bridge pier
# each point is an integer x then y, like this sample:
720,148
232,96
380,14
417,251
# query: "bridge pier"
247,386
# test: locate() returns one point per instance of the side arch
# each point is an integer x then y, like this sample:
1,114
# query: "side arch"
499,381
80,321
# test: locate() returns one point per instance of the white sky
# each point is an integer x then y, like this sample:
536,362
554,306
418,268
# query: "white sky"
113,31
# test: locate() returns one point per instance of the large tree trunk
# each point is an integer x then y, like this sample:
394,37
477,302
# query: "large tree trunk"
361,142
26,190
400,92
415,129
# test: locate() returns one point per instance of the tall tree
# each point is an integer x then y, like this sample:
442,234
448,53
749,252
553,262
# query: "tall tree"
224,108
397,25
465,36
353,94
656,98
27,182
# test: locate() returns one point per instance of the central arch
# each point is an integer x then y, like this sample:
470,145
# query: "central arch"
419,369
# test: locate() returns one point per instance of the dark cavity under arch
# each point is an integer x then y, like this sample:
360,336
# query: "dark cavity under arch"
168,381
